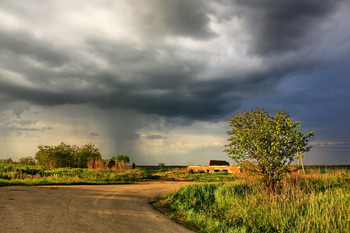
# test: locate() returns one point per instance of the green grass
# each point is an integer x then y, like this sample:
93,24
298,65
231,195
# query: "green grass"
311,204
184,175
34,175
17,174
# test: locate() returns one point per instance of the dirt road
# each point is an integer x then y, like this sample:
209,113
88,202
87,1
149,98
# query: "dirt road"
85,208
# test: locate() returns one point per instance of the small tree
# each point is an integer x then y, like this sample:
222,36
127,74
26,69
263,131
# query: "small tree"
265,146
84,154
61,155
161,165
27,160
64,155
121,158
119,162
7,161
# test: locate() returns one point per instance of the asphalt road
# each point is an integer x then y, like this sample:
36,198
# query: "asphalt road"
85,208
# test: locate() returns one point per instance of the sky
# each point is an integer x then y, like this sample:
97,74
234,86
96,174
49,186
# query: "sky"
158,79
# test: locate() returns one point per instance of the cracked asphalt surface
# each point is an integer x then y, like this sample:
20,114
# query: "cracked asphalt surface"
85,208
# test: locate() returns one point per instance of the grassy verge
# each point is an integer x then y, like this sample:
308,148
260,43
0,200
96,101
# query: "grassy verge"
16,174
34,175
184,175
315,203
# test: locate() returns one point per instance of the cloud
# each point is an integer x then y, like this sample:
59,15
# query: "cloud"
276,27
19,127
181,18
324,145
154,137
169,75
24,44
94,134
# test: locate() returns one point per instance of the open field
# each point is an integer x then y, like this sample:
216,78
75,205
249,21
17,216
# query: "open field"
35,175
312,203
16,174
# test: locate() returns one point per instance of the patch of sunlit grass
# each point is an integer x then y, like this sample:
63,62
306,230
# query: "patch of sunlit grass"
312,203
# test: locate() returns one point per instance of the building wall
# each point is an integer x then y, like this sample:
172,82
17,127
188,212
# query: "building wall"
210,169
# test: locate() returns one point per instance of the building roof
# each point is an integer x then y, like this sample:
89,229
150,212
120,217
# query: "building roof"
218,163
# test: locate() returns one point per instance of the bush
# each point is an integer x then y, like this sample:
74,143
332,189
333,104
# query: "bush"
265,145
64,155
27,161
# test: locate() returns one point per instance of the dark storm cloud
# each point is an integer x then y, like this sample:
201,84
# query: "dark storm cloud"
155,137
94,134
41,96
281,26
168,88
18,127
179,18
25,44
157,77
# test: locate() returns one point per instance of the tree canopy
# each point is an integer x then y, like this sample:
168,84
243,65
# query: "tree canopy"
27,160
64,155
121,158
266,145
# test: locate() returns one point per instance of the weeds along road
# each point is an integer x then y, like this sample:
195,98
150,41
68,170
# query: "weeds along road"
85,208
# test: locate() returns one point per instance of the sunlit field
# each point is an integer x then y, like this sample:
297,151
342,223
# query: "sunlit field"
15,174
314,202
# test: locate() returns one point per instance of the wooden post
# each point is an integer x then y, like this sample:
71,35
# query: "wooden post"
302,163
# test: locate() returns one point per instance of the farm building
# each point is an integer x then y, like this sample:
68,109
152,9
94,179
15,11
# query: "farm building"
216,166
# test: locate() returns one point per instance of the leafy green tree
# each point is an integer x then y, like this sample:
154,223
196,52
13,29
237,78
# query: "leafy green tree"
61,155
43,156
27,160
264,145
84,154
121,158
64,155
7,161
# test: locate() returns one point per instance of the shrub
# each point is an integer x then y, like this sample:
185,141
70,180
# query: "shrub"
265,145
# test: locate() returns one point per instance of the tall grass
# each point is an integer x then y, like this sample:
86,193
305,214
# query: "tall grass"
98,171
34,175
183,174
317,203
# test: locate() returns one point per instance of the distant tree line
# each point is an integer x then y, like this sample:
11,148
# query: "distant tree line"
64,155
25,161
